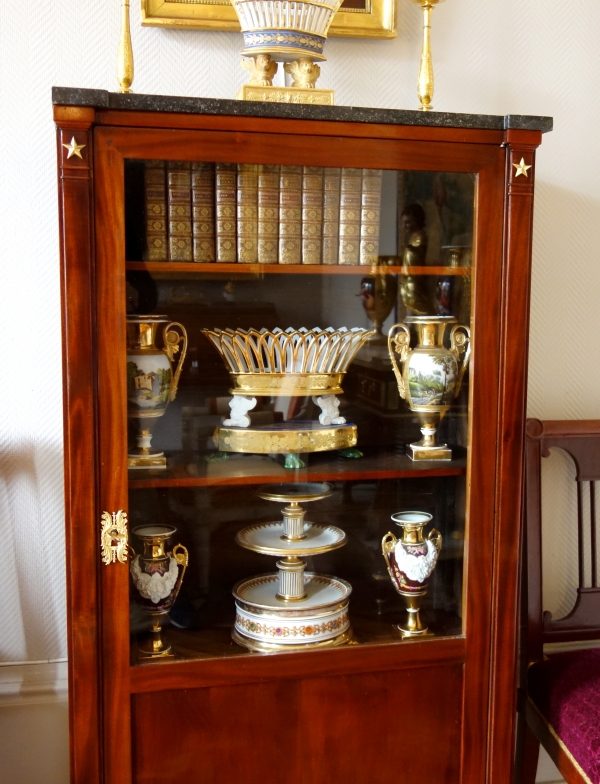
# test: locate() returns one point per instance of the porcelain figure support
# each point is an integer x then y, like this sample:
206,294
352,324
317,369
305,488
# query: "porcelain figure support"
240,405
330,410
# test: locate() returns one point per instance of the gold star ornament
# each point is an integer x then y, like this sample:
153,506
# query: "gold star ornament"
74,149
521,168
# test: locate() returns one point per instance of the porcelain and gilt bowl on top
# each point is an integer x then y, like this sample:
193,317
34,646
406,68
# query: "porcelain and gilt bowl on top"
285,30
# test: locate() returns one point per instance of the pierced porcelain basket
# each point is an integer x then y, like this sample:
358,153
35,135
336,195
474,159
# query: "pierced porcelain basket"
294,362
285,29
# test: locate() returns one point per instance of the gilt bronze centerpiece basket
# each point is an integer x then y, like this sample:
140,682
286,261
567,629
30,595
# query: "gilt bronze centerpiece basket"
290,363
287,363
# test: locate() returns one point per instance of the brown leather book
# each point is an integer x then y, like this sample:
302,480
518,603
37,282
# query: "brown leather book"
312,214
247,213
331,215
203,211
290,215
226,204
350,198
268,214
179,194
155,198
370,215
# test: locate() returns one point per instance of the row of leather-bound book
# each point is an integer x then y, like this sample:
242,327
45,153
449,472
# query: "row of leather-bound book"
265,214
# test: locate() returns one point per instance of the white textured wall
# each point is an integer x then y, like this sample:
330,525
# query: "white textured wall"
498,56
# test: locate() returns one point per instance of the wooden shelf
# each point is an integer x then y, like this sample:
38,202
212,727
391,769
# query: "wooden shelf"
199,662
242,470
179,269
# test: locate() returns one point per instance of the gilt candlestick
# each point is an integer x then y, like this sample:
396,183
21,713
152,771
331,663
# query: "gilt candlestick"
425,81
125,54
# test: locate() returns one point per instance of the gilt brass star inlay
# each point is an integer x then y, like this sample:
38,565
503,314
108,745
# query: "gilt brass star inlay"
74,148
522,168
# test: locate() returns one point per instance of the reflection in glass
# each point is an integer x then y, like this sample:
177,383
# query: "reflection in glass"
413,232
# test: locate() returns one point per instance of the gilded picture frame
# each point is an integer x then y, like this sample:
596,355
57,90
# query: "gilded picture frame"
355,19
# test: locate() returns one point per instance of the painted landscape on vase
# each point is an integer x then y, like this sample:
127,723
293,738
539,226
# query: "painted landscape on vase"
431,379
148,387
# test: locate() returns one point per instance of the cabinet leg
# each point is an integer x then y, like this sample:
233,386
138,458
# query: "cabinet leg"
528,752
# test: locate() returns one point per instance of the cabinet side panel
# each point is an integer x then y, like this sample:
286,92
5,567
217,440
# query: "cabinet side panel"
371,727
112,425
74,149
481,472
520,172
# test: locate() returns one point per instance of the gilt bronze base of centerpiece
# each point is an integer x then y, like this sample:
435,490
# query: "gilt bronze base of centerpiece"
431,375
292,609
151,382
410,561
286,438
156,577
273,94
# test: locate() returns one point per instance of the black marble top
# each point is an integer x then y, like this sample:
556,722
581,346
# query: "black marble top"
102,99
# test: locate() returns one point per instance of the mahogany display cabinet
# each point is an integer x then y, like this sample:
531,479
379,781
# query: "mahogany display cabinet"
190,228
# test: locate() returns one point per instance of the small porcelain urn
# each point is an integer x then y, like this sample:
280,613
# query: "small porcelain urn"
410,561
157,576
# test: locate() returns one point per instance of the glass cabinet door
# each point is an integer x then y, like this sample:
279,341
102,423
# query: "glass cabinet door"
298,362
298,385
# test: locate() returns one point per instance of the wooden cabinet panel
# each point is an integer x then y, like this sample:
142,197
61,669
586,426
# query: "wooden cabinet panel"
376,727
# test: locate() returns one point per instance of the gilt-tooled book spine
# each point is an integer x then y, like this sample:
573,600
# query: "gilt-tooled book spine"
331,215
312,214
290,215
247,213
268,214
203,211
155,196
226,202
179,181
370,215
350,198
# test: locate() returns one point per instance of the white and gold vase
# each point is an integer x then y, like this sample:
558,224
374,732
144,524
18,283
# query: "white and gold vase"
151,382
430,375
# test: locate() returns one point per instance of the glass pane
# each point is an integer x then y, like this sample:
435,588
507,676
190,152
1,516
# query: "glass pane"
296,337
